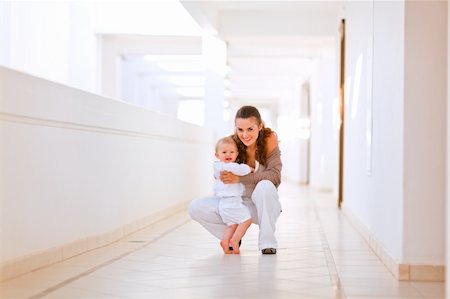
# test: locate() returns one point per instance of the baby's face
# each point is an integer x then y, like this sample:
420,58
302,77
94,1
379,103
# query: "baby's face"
227,152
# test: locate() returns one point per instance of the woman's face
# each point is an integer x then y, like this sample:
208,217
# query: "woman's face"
247,130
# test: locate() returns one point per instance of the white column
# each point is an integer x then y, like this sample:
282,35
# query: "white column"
214,53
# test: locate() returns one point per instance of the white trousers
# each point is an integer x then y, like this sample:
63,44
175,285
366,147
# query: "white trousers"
264,207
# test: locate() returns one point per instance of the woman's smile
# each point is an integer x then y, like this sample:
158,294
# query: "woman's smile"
247,130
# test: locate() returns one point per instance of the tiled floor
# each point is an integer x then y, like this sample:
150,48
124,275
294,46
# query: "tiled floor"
320,256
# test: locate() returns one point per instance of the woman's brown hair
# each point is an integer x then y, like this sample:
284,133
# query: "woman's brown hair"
261,144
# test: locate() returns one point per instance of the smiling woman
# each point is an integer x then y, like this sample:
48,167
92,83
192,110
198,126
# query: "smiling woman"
258,148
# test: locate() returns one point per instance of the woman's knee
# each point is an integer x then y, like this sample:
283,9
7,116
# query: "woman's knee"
265,192
199,208
265,187
194,208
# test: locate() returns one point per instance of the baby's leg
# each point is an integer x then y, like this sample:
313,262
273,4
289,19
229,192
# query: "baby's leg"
238,234
225,242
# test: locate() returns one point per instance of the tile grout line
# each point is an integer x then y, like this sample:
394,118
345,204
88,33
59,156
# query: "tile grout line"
104,264
334,276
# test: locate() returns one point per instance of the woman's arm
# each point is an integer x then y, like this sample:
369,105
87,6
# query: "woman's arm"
272,172
272,143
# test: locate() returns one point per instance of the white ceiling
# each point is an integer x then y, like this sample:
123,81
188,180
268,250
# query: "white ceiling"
271,45
271,6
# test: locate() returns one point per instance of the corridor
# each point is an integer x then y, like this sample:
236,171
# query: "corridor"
320,256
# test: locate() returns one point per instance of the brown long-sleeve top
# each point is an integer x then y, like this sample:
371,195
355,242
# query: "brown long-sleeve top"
271,171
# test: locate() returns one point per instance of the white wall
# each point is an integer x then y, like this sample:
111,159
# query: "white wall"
54,40
5,32
447,251
389,185
324,150
424,139
373,182
385,206
57,40
289,132
34,32
82,48
76,165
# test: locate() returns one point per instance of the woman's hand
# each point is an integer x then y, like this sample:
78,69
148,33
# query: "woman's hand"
228,177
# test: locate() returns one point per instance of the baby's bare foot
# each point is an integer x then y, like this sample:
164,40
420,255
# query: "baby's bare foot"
225,246
235,245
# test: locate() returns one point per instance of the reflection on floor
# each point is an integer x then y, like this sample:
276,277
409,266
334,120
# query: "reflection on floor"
320,256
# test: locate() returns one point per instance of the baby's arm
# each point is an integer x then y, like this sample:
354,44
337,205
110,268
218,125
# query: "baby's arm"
237,169
217,168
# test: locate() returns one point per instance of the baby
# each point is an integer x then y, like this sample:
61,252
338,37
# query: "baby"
233,212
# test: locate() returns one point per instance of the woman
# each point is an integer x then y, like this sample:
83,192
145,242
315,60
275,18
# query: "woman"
258,148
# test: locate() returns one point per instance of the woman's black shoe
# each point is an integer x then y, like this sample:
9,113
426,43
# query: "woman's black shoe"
269,251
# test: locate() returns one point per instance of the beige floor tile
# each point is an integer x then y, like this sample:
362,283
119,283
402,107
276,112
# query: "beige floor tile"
73,293
378,297
403,291
430,289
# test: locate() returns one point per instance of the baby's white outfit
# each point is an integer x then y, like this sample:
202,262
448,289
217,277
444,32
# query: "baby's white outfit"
231,208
